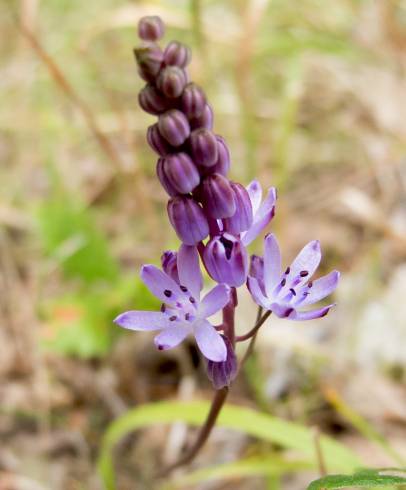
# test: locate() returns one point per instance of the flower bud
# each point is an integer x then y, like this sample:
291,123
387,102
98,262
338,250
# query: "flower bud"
149,59
193,100
226,260
221,374
177,54
243,217
151,28
257,270
163,179
203,146
218,197
152,101
157,142
188,220
174,127
222,166
169,261
171,81
181,172
205,120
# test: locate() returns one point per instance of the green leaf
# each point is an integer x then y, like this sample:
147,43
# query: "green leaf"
259,425
263,465
365,478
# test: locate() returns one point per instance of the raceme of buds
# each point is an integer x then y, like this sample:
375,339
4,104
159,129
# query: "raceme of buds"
221,374
152,101
181,172
151,28
149,59
193,100
243,217
226,260
218,197
188,220
177,54
171,81
204,148
157,142
174,127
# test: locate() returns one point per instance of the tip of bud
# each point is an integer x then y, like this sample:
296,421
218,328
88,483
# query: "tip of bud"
151,28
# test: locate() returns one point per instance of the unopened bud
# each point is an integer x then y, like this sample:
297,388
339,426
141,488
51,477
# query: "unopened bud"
157,142
151,28
177,54
243,217
181,172
174,127
149,59
188,220
221,374
152,101
163,178
205,120
218,197
226,260
169,261
171,81
203,146
193,101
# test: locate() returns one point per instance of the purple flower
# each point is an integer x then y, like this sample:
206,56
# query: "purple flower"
284,293
183,312
263,213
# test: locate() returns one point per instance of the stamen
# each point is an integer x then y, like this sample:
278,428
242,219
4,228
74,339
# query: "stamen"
163,308
192,300
287,271
288,312
310,284
292,291
172,318
304,273
283,282
187,317
168,293
183,288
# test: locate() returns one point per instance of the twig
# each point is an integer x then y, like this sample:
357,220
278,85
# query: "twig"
255,328
218,402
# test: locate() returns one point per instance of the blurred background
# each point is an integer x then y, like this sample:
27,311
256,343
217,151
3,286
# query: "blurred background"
311,97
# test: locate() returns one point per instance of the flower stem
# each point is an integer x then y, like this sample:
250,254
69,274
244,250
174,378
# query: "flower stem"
255,328
218,402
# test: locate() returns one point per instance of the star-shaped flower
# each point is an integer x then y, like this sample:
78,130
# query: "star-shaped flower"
284,293
182,312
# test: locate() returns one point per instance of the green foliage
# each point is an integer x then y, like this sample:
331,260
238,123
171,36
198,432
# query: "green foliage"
363,479
262,426
72,238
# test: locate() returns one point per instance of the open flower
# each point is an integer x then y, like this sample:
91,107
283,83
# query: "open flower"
182,312
262,212
284,293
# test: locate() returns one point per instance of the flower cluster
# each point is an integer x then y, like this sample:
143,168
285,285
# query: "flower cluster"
212,216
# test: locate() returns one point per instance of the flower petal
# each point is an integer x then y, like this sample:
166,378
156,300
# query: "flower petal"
171,336
311,314
189,270
272,264
307,260
320,288
254,190
256,293
282,310
160,284
142,320
215,300
262,217
210,342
